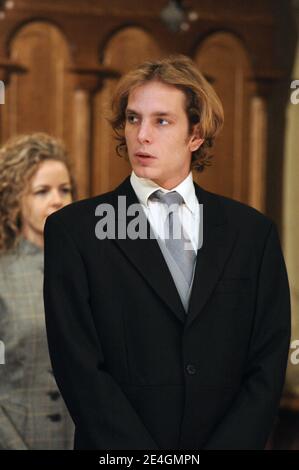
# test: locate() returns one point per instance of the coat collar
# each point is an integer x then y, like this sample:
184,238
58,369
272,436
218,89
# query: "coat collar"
218,240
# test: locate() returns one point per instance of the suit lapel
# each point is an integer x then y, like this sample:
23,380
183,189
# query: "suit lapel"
218,240
147,257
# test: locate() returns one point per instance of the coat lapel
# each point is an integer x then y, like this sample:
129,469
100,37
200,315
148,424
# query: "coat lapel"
218,241
219,237
147,257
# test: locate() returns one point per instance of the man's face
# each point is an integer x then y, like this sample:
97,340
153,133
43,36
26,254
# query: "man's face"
157,134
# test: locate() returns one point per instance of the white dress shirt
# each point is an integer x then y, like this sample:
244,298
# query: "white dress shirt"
157,212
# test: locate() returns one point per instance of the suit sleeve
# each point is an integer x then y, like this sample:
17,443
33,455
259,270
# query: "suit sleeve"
248,422
103,415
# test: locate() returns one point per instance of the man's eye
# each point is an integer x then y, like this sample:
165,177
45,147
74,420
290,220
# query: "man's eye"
163,122
132,119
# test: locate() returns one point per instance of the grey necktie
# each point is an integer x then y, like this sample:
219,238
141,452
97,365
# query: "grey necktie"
176,241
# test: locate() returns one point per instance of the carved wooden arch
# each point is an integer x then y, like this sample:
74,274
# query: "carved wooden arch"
41,98
238,154
124,49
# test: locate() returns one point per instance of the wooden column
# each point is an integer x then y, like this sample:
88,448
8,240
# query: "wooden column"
87,82
258,149
257,152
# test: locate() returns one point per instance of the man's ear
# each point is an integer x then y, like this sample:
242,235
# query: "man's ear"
195,140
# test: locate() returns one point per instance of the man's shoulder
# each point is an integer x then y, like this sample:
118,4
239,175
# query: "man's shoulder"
83,209
238,213
245,211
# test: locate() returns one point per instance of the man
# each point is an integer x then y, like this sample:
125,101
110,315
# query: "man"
155,343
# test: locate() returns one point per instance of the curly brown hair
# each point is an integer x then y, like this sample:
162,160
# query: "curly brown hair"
203,107
20,158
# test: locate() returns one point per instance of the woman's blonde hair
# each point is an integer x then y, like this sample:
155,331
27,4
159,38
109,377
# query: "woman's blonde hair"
20,158
203,107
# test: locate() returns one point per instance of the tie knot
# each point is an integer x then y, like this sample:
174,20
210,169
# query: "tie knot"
170,198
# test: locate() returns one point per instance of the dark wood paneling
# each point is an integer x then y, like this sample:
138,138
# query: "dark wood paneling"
60,61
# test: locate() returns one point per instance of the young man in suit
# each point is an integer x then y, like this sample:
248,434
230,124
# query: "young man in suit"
167,342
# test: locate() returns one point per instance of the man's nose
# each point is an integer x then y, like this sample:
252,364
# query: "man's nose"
145,133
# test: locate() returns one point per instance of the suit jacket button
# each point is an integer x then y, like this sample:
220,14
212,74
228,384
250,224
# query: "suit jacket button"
191,369
55,418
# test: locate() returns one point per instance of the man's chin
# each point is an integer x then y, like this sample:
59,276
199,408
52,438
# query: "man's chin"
145,172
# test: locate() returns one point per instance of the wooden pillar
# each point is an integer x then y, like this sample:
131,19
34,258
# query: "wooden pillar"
258,151
87,82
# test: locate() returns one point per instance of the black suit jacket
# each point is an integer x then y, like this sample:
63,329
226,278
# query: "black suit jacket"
135,371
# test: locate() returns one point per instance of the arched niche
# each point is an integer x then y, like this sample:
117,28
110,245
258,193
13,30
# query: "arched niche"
224,60
41,98
124,50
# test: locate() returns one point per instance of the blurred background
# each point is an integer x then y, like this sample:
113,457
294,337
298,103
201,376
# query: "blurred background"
60,61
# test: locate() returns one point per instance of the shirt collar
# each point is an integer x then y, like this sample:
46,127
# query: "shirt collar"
144,187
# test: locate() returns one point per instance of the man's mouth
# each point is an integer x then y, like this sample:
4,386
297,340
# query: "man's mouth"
144,155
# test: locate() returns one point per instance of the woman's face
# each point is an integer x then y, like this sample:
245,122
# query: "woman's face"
49,189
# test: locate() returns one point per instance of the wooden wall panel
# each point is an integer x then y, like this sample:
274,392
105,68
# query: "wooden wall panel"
223,59
57,59
40,99
125,49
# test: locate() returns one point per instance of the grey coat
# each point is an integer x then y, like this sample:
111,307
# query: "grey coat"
32,412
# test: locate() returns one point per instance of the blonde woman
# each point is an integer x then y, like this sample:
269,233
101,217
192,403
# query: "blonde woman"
35,181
